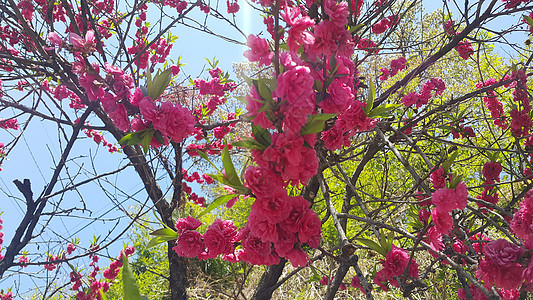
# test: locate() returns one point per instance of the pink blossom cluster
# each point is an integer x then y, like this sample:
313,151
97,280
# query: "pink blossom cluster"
6,296
367,45
259,50
179,5
11,123
501,267
396,261
218,240
384,24
233,7
95,287
493,104
522,223
99,138
356,284
172,120
446,200
217,87
61,92
396,65
195,177
462,131
213,148
160,50
276,217
514,3
349,122
520,121
464,48
491,172
50,266
23,260
287,155
434,84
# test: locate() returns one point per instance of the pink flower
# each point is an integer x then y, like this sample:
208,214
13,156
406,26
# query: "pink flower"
310,229
502,252
297,33
256,251
188,223
381,26
447,200
298,257
262,226
324,280
54,39
80,44
395,262
465,49
298,209
259,50
438,178
189,244
275,207
70,248
442,220
219,237
492,170
356,284
263,182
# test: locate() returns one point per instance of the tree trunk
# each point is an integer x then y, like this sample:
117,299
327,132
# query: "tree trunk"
178,274
265,288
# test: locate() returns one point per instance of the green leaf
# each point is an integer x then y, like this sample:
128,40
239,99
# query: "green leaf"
158,240
131,289
528,19
249,143
264,91
261,135
231,174
133,138
315,123
147,139
203,155
448,163
165,232
371,97
159,137
383,110
102,295
455,180
159,83
372,245
216,203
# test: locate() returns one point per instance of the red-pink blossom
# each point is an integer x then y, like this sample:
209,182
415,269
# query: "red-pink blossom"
502,252
310,229
189,244
188,223
219,237
259,50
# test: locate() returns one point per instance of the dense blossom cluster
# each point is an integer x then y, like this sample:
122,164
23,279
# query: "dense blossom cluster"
396,262
491,172
421,98
95,286
396,65
464,48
